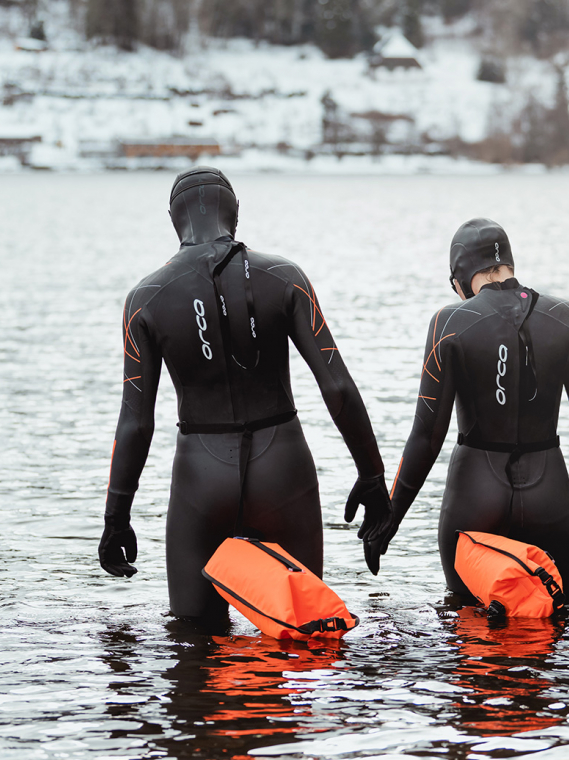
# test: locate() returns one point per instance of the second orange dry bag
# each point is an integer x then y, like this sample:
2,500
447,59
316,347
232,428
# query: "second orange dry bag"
278,594
509,577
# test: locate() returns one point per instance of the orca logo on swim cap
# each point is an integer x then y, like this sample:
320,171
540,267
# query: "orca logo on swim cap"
497,247
502,358
201,192
199,308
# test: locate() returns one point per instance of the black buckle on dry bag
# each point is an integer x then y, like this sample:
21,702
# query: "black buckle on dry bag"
326,624
552,587
496,609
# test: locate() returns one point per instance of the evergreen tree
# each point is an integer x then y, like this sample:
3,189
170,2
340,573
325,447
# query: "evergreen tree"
115,21
339,27
334,32
454,8
411,23
559,121
545,25
342,27
164,23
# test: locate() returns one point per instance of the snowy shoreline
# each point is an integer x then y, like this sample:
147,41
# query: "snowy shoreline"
263,162
267,107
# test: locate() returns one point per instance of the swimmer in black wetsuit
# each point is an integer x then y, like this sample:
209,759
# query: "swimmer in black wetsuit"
220,315
503,355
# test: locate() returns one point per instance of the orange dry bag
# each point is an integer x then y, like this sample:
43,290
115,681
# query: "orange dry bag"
509,577
276,592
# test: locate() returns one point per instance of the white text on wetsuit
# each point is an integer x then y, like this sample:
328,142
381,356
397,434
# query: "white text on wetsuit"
502,358
202,325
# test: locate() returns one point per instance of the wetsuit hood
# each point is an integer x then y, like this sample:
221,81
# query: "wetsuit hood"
203,206
477,244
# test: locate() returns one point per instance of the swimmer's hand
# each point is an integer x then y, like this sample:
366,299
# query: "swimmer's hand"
378,517
118,535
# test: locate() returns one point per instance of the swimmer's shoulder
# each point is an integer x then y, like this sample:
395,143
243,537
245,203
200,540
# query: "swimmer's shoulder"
277,266
147,289
554,307
450,321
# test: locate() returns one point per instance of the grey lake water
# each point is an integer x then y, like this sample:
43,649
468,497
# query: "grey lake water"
93,666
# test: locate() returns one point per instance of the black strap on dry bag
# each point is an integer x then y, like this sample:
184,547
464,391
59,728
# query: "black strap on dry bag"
553,588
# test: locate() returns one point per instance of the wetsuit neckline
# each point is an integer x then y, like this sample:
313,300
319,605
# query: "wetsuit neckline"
510,284
222,239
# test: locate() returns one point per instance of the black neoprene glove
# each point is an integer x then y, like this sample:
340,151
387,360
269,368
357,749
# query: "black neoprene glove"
118,535
375,530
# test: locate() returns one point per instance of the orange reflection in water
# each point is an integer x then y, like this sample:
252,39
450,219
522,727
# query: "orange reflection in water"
504,695
254,667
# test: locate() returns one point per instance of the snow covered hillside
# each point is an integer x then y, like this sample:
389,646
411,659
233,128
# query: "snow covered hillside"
266,106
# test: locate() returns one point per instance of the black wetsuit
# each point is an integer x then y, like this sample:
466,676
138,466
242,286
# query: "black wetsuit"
173,315
504,356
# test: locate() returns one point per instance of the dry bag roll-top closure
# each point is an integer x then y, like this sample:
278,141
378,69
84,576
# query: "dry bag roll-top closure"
509,577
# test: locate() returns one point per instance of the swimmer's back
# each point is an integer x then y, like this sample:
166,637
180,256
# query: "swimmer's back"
175,309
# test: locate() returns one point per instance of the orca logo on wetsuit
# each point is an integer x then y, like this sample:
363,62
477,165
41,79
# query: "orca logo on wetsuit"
503,357
199,308
201,192
497,246
253,333
246,268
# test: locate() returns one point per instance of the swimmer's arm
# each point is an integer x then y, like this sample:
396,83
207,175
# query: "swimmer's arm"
142,364
312,337
432,419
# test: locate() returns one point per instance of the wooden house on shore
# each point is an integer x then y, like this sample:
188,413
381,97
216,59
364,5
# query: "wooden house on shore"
170,147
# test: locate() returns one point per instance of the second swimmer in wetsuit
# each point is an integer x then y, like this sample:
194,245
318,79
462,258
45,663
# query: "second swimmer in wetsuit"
220,316
503,356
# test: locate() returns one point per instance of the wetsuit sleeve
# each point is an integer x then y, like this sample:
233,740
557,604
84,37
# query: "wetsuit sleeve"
432,418
142,363
312,337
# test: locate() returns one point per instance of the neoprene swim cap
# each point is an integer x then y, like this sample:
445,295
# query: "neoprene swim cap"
477,244
203,205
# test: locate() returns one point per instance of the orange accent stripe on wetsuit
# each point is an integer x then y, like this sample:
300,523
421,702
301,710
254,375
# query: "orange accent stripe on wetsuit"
316,309
318,331
429,398
429,356
127,334
138,377
111,467
314,302
396,478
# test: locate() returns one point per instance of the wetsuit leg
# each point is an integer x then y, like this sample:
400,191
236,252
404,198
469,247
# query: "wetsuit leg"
478,496
541,506
281,504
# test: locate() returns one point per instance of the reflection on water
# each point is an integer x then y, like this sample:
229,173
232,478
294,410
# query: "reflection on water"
91,666
503,668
